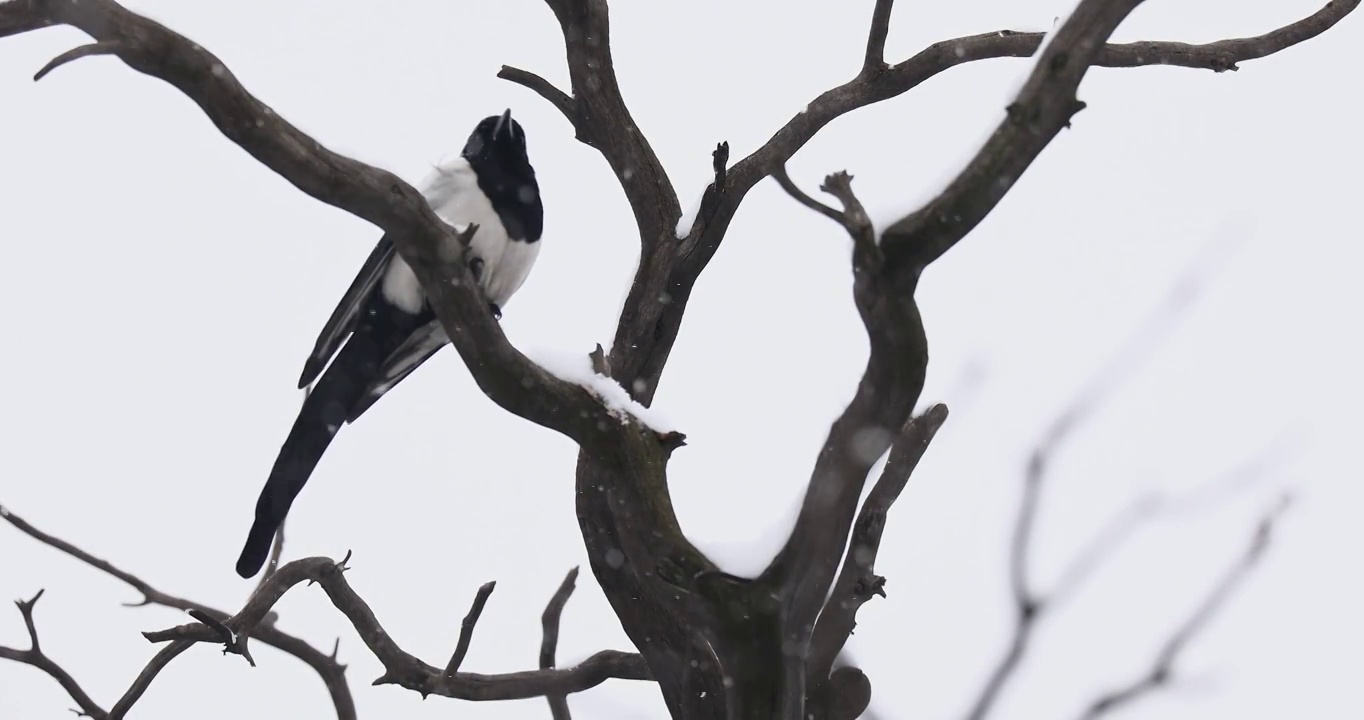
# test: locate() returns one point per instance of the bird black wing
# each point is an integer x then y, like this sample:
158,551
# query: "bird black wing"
415,350
342,322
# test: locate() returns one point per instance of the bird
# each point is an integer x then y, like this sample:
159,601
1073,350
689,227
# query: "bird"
384,328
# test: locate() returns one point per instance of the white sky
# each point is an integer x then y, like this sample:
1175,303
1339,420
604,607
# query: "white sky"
164,290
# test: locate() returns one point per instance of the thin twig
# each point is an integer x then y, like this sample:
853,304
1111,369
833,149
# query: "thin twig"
549,623
466,628
1162,671
875,58
1138,348
784,180
542,87
98,48
276,552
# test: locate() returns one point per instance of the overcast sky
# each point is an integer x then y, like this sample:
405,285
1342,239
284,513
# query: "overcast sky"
163,290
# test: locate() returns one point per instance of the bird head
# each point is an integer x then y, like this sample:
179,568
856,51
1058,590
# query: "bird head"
500,138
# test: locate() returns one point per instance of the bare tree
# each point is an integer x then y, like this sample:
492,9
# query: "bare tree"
718,646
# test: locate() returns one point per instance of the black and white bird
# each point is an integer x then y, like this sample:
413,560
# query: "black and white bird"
384,321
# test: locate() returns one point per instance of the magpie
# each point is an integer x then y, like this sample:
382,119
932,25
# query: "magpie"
387,326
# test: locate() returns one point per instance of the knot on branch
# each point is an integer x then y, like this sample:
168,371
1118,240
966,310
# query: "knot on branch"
849,694
866,254
868,586
601,363
720,163
672,440
233,643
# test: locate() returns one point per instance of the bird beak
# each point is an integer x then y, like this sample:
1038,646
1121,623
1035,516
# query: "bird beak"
503,123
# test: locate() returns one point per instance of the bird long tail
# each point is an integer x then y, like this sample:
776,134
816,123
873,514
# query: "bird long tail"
324,412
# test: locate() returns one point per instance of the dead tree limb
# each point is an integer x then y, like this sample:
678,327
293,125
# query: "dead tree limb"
1031,605
466,628
34,656
332,672
400,667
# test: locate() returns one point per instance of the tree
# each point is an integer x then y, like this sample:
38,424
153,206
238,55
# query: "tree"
751,648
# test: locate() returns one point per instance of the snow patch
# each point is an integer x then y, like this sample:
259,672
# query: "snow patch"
688,218
576,368
747,558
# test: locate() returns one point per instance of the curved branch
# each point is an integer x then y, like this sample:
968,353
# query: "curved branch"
784,180
99,48
542,87
427,244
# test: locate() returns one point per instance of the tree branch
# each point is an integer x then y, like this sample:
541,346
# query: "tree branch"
542,87
1043,108
802,572
601,119
549,622
400,667
944,55
800,196
466,629
1030,605
276,551
34,656
866,256
425,242
870,88
99,48
857,581
333,673
1162,671
875,59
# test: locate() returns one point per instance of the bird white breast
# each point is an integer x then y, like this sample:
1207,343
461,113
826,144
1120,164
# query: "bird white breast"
453,193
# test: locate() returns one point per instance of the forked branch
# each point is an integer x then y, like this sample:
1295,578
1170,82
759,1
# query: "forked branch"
400,667
332,672
34,656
